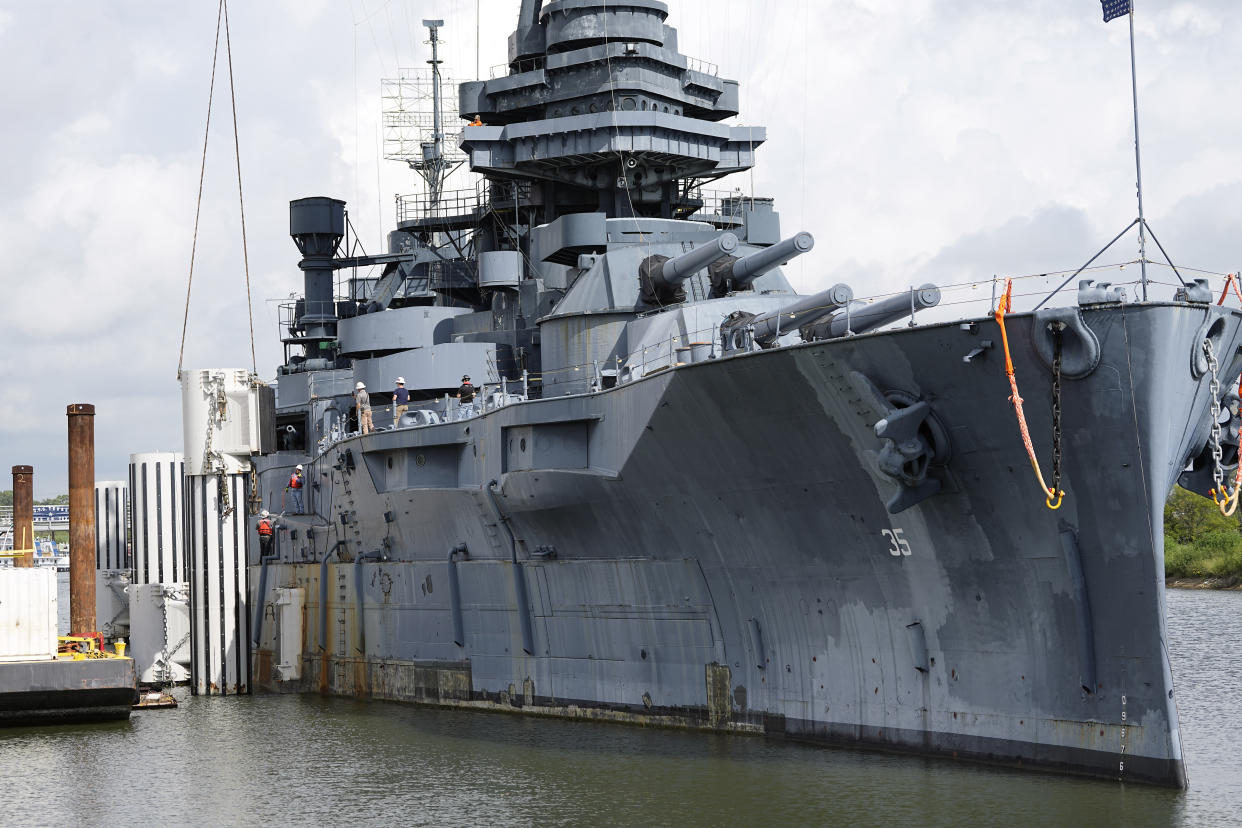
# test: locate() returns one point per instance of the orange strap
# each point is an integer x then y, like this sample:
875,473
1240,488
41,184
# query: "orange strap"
1231,281
1054,497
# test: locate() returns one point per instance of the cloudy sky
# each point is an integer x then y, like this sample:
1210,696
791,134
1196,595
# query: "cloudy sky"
942,140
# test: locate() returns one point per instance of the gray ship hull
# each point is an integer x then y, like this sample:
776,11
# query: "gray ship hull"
710,547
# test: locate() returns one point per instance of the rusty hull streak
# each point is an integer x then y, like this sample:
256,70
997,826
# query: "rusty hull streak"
446,687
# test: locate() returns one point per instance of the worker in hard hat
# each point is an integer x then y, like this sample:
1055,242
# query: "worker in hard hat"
266,533
400,401
363,400
294,489
465,397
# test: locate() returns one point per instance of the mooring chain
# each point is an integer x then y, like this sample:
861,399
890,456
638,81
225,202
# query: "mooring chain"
1057,342
1226,501
165,668
1218,468
226,506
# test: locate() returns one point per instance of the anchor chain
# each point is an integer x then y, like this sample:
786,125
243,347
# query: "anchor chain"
1225,500
1057,329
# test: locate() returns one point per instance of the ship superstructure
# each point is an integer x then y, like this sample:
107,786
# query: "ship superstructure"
685,494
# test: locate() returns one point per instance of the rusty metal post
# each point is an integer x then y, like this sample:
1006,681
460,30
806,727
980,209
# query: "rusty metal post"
23,514
81,518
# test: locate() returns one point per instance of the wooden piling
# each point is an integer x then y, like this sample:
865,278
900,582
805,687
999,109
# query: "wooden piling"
81,518
23,515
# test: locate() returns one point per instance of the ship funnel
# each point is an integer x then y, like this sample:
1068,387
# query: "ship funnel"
317,225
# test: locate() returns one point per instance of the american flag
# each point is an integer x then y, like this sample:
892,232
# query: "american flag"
1115,8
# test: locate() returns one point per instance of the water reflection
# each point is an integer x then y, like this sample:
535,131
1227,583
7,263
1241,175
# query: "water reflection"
307,760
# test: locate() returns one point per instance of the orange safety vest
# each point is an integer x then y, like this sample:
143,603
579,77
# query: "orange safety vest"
295,481
265,527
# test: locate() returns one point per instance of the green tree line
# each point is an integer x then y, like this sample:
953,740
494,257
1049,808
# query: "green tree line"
6,499
1200,542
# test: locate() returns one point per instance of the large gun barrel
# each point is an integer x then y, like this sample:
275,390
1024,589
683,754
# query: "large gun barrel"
768,326
677,270
661,276
860,317
741,272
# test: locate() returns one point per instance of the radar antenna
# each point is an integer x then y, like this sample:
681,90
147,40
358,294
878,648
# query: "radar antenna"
408,135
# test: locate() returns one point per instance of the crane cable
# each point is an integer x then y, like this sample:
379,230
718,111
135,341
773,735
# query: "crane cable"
1053,496
241,201
222,13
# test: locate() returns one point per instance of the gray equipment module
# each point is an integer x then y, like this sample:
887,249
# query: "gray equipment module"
684,494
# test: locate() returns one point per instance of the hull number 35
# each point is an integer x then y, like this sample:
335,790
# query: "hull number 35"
898,545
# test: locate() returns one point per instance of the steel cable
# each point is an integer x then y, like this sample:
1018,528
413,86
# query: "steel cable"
199,203
241,202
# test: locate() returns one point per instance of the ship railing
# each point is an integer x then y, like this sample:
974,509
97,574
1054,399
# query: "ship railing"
501,70
486,195
703,67
969,301
491,396
725,204
421,207
964,301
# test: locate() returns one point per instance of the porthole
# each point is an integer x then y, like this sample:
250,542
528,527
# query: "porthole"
627,104
420,460
390,462
644,104
523,444
594,107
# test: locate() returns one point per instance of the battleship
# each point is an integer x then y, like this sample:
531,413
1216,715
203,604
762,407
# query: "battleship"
677,492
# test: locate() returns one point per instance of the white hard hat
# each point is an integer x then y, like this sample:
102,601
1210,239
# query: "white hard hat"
400,380
264,513
299,466
360,386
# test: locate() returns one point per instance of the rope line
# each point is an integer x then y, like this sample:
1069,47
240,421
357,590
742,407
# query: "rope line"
185,321
241,201
1054,496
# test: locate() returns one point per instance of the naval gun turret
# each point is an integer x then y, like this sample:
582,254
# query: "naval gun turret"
860,317
765,329
731,273
661,277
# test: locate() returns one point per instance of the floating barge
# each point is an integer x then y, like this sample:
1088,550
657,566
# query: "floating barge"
39,684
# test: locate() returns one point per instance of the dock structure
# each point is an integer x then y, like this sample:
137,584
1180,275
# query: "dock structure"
46,678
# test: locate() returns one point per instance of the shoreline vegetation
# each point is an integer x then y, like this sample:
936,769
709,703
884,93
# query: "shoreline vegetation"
1202,547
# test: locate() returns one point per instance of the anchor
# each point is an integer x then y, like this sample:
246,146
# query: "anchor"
908,452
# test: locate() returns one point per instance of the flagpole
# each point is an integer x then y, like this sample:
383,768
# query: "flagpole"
1138,164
